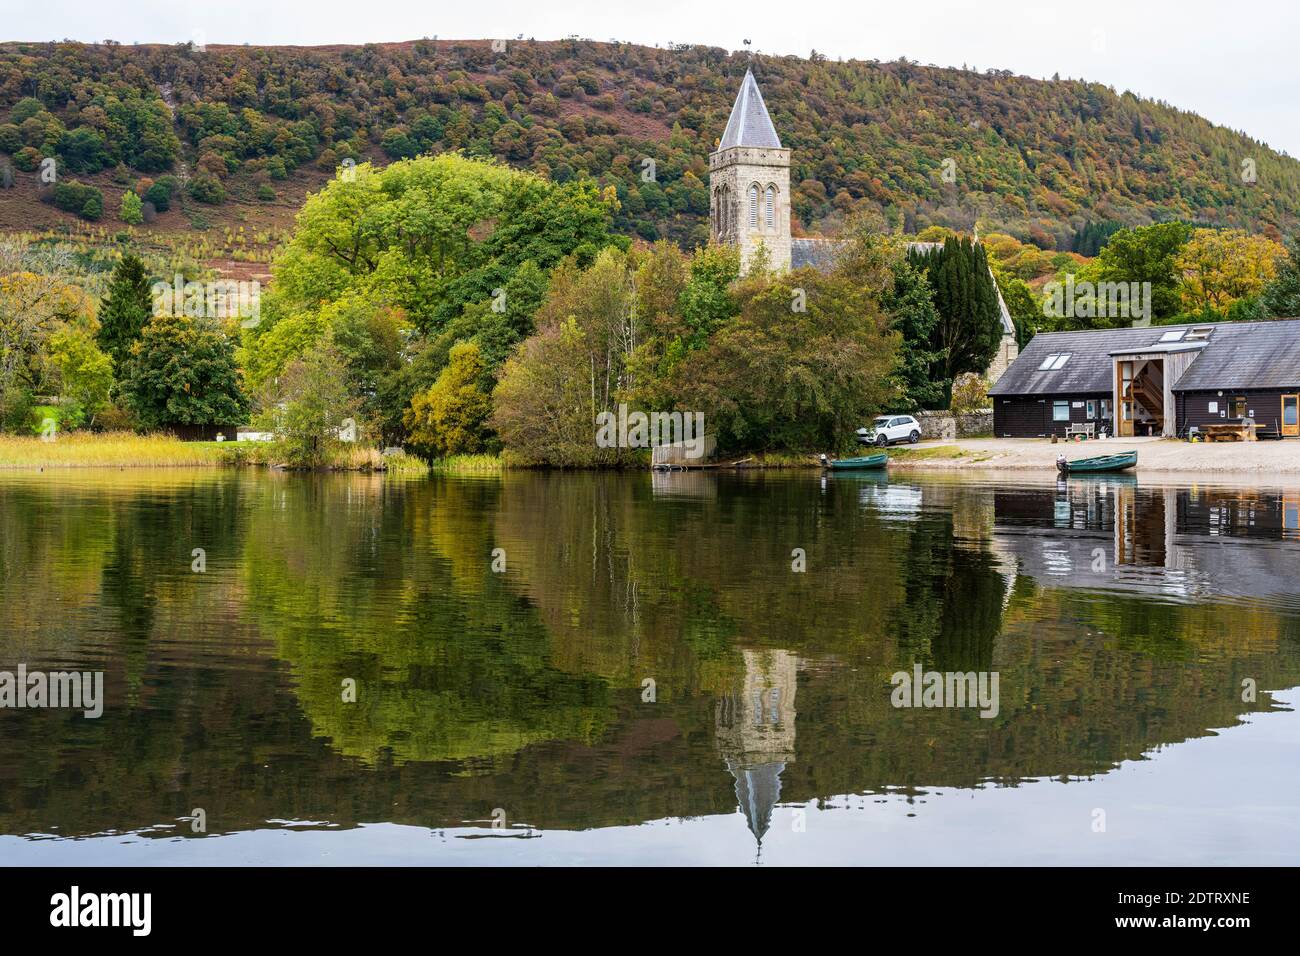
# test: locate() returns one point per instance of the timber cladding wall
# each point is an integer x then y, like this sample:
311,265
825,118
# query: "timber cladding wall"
1032,416
1263,405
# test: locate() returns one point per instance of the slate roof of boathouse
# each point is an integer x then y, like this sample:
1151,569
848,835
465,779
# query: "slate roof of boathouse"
1237,355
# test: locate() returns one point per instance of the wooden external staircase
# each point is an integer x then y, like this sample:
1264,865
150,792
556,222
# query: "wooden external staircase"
1149,389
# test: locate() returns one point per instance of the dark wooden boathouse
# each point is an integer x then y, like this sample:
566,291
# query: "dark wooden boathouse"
1157,380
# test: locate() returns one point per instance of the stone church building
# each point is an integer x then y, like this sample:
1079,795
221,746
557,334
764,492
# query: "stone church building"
749,187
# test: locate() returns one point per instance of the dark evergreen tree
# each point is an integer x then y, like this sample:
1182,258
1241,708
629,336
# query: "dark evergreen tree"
1089,240
910,305
124,311
969,329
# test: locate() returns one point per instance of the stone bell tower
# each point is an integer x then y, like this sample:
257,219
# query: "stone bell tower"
749,183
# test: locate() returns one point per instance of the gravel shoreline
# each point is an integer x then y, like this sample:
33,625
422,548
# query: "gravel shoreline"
1279,458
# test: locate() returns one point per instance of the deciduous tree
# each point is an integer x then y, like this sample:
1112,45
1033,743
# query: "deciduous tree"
310,408
182,371
451,417
1221,267
1281,297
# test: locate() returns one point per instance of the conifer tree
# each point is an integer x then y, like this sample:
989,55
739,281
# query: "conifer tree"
969,329
910,306
125,310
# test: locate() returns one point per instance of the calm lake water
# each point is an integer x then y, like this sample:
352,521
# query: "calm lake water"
650,679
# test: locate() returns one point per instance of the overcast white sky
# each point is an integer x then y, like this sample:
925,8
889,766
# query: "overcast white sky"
1234,63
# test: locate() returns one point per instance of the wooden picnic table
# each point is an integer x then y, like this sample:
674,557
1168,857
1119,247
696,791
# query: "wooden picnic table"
1230,431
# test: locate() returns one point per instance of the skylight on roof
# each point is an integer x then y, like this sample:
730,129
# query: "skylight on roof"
1176,335
1054,361
1201,333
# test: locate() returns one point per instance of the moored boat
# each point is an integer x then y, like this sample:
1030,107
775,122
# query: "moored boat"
1098,465
856,464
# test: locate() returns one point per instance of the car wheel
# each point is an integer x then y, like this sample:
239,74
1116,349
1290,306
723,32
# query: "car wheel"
881,441
914,437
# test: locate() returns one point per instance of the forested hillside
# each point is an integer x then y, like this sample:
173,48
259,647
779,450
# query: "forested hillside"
240,134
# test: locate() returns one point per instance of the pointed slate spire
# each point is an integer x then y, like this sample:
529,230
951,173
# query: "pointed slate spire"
749,124
758,790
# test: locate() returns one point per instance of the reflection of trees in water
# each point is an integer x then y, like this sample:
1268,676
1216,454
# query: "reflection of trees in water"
396,593
127,594
952,610
522,690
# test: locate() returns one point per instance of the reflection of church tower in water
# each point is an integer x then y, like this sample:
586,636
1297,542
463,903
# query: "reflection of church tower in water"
755,732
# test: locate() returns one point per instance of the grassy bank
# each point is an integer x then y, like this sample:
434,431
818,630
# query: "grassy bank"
936,453
773,459
347,458
468,465
106,450
129,450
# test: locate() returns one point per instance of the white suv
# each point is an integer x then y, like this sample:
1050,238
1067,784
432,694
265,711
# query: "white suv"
887,429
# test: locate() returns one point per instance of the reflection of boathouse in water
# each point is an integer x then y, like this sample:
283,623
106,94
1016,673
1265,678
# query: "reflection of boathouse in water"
754,726
1180,542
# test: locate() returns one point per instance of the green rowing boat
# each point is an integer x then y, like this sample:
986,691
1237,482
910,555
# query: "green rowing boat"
856,464
1099,465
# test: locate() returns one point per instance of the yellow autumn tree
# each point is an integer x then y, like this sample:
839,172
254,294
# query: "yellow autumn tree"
450,418
1222,266
38,296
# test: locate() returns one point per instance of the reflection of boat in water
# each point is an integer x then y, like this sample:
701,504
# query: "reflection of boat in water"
866,477
1101,480
1102,464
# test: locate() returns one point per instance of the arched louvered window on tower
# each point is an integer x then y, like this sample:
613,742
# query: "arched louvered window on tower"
770,210
753,206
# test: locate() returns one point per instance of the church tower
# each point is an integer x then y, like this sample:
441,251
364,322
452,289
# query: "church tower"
749,183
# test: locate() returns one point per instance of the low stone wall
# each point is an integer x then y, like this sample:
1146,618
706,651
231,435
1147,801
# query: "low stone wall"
946,426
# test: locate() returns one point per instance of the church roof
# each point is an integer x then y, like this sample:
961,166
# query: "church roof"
749,124
818,253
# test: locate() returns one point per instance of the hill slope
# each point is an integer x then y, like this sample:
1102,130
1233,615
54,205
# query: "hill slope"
1036,158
